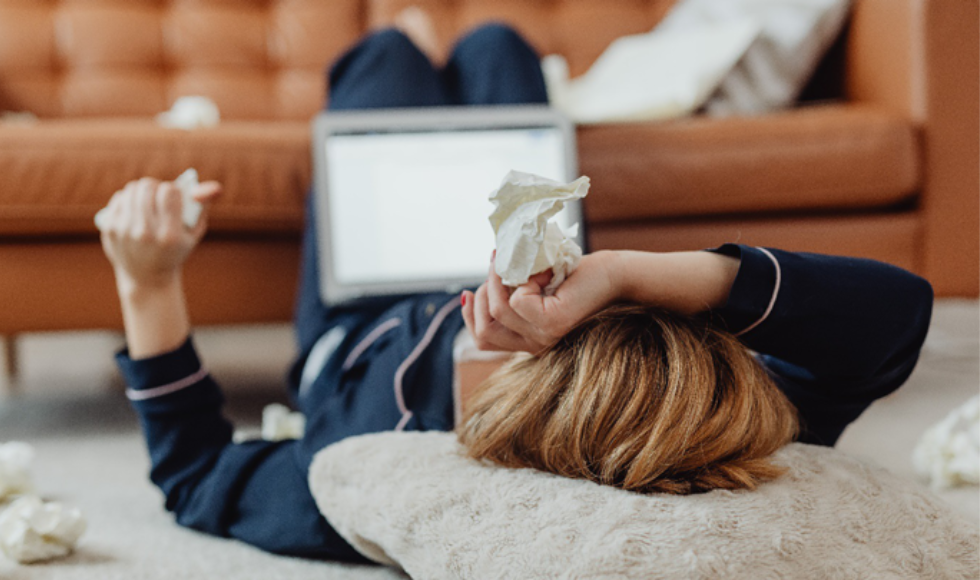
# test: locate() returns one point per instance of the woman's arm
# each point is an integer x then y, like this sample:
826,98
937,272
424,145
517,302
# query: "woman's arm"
147,243
837,333
256,491
523,319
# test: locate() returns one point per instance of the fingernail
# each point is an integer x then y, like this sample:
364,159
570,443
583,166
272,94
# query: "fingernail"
493,255
462,299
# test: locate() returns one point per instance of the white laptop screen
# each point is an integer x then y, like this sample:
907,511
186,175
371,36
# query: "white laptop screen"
413,206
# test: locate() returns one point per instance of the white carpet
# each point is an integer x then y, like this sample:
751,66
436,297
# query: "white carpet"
90,454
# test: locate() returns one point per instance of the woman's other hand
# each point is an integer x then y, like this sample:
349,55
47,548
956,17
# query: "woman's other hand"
145,238
523,319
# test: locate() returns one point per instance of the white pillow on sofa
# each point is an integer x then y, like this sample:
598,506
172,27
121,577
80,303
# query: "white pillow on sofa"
794,35
411,500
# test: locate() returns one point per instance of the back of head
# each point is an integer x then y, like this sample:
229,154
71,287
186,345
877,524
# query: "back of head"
638,398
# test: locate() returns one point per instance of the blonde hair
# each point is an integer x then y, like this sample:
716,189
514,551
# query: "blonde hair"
637,398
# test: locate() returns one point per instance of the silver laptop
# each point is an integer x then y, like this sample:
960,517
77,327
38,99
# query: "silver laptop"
401,195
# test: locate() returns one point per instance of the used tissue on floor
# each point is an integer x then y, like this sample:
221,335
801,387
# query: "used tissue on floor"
32,530
949,451
15,464
279,423
528,240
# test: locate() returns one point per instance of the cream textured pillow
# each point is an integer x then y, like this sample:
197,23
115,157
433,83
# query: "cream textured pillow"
657,75
411,500
794,35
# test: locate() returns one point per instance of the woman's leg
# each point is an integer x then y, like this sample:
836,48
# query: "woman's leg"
385,70
493,65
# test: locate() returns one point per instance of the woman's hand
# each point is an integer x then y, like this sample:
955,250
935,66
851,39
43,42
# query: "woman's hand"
145,237
523,319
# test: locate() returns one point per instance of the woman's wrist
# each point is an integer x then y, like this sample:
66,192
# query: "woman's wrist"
132,287
154,315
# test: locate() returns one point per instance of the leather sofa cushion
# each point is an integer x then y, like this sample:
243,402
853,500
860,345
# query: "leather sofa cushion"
257,59
826,157
55,175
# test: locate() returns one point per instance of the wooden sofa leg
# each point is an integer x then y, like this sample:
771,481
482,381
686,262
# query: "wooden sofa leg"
10,362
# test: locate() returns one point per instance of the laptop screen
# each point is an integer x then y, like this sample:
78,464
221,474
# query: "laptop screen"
413,205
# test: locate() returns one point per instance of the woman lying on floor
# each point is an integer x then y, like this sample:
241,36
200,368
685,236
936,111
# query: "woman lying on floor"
633,375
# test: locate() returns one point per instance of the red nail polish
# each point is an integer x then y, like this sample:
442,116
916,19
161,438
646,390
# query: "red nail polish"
462,298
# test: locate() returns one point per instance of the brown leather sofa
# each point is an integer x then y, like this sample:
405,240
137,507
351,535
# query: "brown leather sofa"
886,169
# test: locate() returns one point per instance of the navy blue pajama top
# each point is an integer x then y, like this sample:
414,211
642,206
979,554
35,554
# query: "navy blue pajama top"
835,333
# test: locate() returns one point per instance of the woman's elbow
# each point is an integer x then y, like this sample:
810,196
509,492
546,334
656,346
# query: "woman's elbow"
910,306
918,299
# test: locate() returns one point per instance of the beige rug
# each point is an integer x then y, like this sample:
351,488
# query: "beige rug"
90,454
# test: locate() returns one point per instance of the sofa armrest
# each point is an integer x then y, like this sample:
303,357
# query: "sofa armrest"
918,58
951,196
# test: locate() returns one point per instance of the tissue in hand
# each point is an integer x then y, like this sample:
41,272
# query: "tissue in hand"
15,462
186,183
32,530
528,242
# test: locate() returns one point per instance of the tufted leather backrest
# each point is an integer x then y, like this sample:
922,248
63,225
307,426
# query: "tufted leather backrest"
578,29
257,59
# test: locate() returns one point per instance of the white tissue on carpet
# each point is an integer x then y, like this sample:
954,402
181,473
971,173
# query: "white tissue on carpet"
191,112
528,240
949,452
32,530
279,423
15,469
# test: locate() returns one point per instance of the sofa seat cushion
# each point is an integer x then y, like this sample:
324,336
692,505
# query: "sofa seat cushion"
826,157
54,175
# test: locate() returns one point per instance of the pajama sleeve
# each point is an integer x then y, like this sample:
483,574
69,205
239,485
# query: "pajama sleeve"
836,333
254,491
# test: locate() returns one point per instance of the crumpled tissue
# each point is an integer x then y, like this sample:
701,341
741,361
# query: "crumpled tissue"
528,241
949,452
187,182
15,463
32,530
279,423
191,113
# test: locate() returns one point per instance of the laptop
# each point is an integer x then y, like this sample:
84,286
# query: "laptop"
401,195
